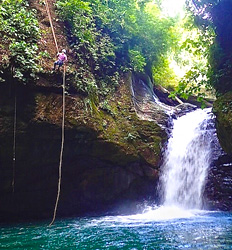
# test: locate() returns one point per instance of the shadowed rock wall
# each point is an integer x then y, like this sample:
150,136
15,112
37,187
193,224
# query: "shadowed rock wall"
110,156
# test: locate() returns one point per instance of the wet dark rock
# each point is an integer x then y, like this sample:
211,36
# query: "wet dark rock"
183,109
109,158
223,111
149,106
164,96
218,190
218,187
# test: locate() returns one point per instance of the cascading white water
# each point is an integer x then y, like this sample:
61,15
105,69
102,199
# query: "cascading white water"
186,160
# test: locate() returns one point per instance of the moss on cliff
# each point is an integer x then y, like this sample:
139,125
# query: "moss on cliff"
115,122
223,112
109,154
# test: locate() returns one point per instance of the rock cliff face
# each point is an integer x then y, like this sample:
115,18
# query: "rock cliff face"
219,184
223,112
109,155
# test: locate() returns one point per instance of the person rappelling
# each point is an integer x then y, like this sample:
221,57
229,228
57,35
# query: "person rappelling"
62,58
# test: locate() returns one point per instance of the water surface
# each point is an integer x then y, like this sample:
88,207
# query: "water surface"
156,229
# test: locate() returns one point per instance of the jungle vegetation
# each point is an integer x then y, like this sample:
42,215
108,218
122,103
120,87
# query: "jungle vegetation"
217,15
111,37
19,32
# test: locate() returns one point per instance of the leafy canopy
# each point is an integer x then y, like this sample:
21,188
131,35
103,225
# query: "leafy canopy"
111,36
19,31
216,15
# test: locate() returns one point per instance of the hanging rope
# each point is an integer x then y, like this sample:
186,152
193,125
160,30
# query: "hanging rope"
61,152
51,24
63,120
14,142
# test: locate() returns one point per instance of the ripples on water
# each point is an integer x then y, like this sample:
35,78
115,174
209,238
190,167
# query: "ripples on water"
153,230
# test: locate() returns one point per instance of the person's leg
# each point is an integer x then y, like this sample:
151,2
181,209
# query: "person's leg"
55,63
60,63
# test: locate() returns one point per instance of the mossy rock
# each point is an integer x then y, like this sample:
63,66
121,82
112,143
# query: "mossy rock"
223,111
110,155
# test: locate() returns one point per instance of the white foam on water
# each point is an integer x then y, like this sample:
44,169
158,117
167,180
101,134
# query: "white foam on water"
164,213
158,215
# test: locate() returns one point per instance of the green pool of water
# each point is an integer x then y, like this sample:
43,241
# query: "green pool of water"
151,230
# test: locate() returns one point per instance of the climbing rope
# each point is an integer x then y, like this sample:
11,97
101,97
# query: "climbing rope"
63,119
14,143
51,24
61,152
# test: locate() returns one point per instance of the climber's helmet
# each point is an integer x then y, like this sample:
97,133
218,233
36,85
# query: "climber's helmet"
64,51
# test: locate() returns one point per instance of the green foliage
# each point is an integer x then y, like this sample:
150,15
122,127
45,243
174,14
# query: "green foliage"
193,57
163,74
137,60
216,15
192,84
19,31
106,107
23,60
44,54
17,21
131,137
93,49
114,36
85,82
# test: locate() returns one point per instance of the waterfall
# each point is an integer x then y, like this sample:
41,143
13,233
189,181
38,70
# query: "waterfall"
191,148
186,160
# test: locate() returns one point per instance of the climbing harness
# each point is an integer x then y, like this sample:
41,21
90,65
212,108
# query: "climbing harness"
63,120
